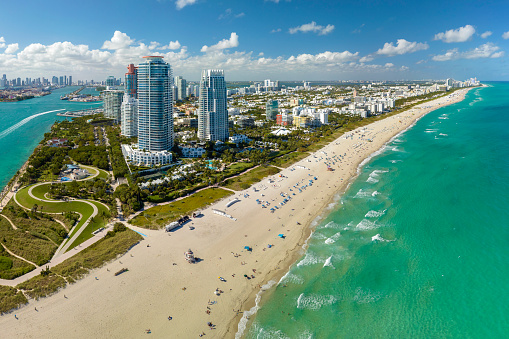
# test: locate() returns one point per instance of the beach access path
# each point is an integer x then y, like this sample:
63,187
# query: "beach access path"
160,283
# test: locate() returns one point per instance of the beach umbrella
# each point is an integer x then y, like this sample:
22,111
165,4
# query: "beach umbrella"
281,236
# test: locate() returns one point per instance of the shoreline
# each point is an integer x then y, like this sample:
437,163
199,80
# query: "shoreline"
252,302
154,288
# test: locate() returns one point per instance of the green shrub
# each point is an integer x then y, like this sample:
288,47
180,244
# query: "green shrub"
5,263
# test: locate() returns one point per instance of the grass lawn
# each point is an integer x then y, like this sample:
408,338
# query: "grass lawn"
158,216
95,224
237,168
103,174
247,179
10,299
289,159
57,207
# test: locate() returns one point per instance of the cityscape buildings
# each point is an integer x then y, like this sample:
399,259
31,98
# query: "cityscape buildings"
129,110
180,84
212,112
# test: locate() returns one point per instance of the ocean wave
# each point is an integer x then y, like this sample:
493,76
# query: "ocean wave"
291,278
366,224
310,259
315,301
375,214
331,224
363,194
372,180
245,317
333,239
328,263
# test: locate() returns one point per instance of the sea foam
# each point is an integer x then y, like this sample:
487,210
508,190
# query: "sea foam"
315,301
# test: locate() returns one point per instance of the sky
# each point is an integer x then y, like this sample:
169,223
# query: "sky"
258,39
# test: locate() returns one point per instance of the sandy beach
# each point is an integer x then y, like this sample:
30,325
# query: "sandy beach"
164,294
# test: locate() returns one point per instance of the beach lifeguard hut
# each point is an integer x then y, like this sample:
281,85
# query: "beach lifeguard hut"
190,256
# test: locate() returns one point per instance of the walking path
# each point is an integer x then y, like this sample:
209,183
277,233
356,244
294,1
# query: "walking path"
10,221
68,243
17,256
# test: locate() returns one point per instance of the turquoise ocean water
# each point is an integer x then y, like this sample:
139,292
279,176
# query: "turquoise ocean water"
418,246
23,124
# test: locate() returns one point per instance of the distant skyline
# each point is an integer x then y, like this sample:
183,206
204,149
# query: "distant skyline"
259,39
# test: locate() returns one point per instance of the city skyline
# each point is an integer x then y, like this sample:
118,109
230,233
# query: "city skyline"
288,40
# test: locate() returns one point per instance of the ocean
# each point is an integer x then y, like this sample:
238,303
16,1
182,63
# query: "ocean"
418,245
23,124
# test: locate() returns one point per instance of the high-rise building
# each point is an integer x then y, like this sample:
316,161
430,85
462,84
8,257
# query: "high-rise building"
271,108
155,105
129,123
61,83
181,85
212,113
70,80
113,104
129,110
110,81
130,81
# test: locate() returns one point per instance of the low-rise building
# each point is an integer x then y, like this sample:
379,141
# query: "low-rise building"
145,158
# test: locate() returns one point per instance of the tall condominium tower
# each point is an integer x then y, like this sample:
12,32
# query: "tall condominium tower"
112,104
212,114
155,105
271,108
181,85
130,81
129,110
129,123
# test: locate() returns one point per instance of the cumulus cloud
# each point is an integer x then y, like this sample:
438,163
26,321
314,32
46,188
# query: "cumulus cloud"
389,65
276,30
2,42
505,35
488,50
171,45
366,58
486,34
11,48
85,63
312,27
402,47
223,44
118,41
183,3
461,34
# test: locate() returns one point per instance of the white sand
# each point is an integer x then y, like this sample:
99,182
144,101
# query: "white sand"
143,298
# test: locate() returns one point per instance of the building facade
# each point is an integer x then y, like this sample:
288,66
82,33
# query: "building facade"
129,112
212,114
271,108
155,105
113,104
181,85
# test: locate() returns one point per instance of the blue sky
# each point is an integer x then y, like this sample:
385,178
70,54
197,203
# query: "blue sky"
259,39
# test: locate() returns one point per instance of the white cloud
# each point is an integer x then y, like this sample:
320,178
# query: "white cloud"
82,62
276,1
2,39
505,35
223,44
389,65
402,47
118,41
171,45
366,58
276,30
183,3
240,15
488,50
312,27
2,42
229,13
486,34
461,34
11,48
